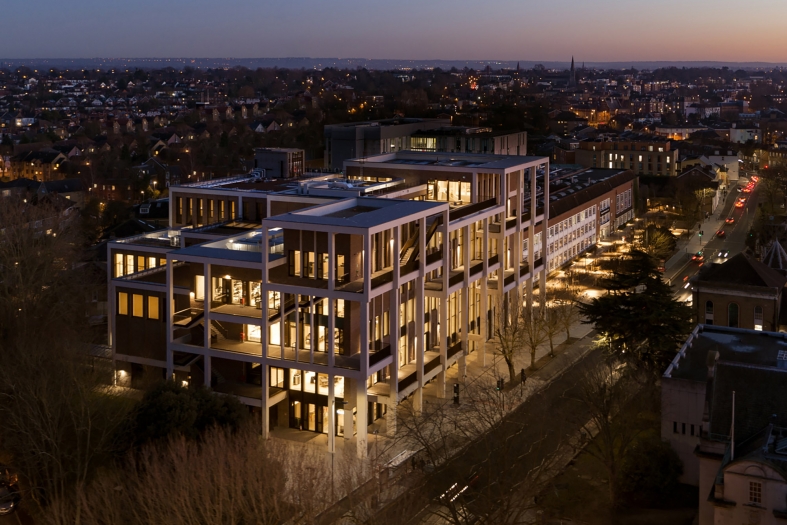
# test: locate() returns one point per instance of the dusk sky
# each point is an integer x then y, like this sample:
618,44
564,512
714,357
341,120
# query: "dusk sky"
603,30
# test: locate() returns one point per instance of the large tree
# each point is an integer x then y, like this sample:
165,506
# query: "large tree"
638,316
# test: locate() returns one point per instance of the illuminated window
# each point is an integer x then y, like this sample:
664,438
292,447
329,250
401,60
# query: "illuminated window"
140,263
295,263
122,303
151,262
129,264
137,306
118,265
153,308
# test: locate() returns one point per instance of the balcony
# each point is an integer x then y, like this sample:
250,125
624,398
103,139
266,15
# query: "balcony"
465,211
238,310
455,349
408,374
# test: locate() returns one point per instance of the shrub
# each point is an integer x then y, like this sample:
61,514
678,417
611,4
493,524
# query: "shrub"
650,473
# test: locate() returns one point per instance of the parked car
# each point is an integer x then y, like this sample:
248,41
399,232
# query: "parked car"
9,491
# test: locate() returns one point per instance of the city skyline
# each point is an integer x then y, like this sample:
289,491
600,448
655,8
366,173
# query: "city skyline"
607,31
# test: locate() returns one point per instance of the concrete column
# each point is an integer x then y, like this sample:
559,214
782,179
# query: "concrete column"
484,316
331,347
350,387
331,415
390,417
170,320
367,265
394,330
443,346
362,422
331,261
364,339
266,424
265,326
531,236
419,341
466,291
207,295
544,231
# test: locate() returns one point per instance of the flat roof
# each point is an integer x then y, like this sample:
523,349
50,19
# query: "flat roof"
386,122
462,161
360,212
736,346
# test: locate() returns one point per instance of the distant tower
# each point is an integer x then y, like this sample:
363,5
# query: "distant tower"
572,78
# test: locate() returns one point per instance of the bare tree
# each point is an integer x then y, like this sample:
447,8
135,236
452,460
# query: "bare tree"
224,478
518,327
490,464
535,335
568,313
59,422
552,324
605,390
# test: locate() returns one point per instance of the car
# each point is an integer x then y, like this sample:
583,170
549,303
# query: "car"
458,489
747,190
724,254
740,204
698,257
9,491
755,178
739,189
721,234
730,220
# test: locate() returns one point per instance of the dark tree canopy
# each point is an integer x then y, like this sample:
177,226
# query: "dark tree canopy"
170,409
643,323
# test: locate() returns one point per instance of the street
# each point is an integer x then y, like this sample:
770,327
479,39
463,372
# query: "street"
680,268
497,462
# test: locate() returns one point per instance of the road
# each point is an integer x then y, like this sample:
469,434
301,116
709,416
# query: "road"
734,241
501,459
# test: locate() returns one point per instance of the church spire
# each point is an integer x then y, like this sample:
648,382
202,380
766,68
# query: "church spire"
572,79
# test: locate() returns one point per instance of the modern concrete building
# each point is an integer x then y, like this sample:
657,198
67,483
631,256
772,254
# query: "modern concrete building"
279,163
324,302
463,139
363,139
723,401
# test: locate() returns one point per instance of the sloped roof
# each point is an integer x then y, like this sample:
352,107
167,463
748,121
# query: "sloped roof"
743,270
62,186
775,256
